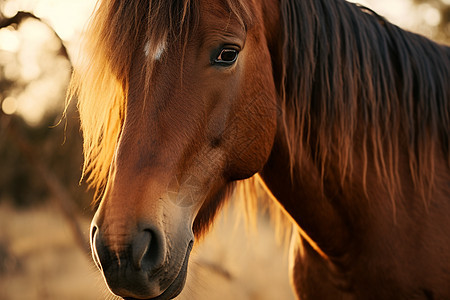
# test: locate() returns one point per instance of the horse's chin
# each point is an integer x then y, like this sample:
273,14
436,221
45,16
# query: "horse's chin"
177,285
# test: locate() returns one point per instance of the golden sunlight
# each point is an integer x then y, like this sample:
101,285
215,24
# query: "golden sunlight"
30,54
9,41
34,72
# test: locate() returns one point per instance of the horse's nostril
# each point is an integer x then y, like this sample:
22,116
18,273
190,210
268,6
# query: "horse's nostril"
146,250
141,247
141,251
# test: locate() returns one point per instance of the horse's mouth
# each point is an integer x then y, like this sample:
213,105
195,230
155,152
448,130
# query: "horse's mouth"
177,285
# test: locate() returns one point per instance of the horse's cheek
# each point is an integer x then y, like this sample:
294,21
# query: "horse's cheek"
256,133
252,138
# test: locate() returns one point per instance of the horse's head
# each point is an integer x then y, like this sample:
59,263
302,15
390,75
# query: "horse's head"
203,118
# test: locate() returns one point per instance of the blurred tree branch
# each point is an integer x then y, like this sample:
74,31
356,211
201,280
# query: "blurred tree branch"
60,193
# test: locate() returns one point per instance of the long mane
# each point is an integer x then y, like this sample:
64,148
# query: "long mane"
346,72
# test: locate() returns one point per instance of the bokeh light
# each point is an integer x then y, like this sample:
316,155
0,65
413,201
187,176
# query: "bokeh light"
9,41
9,105
30,54
39,73
430,15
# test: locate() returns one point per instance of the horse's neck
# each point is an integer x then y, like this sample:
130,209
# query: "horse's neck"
319,217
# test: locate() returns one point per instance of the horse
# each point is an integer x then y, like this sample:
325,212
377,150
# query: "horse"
343,116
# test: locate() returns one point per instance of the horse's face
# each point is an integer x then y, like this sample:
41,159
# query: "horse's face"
208,119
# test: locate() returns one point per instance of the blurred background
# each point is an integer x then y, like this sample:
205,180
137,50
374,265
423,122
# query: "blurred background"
45,211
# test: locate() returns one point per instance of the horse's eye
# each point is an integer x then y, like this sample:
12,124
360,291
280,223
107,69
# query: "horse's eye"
227,56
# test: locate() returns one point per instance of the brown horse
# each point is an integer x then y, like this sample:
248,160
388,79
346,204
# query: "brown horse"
344,116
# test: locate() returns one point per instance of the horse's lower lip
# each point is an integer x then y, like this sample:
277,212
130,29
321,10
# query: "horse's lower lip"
177,285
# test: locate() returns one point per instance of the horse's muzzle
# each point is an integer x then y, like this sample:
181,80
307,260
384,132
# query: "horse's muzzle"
136,268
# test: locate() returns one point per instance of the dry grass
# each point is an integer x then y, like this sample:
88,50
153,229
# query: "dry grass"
43,259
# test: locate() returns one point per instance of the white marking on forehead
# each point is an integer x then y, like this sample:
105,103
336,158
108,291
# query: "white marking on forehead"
147,48
159,50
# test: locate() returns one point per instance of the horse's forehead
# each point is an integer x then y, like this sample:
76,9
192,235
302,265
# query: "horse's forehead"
217,13
218,21
215,19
